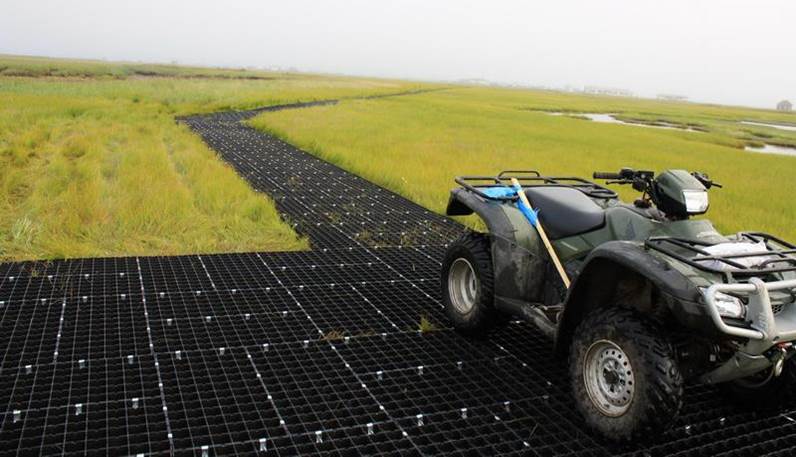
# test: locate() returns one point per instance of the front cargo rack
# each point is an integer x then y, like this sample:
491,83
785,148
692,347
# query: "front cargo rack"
532,178
691,252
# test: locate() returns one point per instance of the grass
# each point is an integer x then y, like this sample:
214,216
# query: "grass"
333,335
92,162
426,325
14,65
416,144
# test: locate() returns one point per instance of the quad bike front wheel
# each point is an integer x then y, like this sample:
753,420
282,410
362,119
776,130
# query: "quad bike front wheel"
467,284
625,378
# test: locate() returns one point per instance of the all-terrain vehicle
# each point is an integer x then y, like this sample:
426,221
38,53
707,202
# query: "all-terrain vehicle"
657,299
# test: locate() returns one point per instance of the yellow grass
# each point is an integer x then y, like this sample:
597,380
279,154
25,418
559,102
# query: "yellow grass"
93,163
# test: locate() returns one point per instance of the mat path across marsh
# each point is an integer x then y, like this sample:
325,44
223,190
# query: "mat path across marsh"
308,353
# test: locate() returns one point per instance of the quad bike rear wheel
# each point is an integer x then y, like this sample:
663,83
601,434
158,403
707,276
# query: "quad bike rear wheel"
625,378
467,284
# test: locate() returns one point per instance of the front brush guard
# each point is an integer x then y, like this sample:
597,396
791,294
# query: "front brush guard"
767,336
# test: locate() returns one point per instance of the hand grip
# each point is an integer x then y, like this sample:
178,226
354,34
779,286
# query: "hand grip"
606,175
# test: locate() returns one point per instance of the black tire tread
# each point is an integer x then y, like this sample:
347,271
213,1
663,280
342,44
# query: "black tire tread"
476,247
658,399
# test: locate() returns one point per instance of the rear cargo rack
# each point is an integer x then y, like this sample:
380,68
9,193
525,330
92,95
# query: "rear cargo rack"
690,252
531,178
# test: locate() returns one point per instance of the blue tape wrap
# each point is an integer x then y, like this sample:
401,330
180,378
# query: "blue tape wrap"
498,192
528,212
503,192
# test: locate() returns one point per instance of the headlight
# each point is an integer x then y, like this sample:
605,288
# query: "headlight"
728,305
696,201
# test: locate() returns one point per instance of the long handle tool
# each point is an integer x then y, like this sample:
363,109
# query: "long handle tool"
526,208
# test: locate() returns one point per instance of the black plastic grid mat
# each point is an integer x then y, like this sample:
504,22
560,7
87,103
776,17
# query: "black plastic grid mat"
302,353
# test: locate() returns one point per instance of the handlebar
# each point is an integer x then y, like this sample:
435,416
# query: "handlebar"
642,180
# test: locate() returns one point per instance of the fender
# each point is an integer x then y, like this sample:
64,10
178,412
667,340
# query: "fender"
464,203
677,297
515,245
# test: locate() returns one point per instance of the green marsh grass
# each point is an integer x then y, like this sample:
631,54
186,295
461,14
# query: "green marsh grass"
416,144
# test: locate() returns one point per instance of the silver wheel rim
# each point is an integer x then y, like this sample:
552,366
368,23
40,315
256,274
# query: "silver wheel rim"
608,377
462,285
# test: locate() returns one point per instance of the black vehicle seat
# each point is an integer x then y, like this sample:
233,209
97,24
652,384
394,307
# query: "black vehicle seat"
565,211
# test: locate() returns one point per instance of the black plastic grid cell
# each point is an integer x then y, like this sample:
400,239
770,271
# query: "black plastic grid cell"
107,406
216,303
224,330
246,271
339,274
100,327
405,303
492,430
81,382
28,333
106,429
300,353
79,278
385,440
407,351
427,389
339,312
313,389
216,398
175,274
321,257
414,262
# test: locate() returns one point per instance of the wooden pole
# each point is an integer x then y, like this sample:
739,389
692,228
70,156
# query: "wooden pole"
542,234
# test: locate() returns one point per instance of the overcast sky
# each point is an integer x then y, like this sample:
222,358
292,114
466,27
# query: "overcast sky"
726,51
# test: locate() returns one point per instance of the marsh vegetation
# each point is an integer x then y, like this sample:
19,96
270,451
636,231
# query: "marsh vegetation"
93,163
415,145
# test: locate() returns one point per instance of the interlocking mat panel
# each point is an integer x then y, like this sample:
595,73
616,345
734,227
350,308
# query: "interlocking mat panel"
300,353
